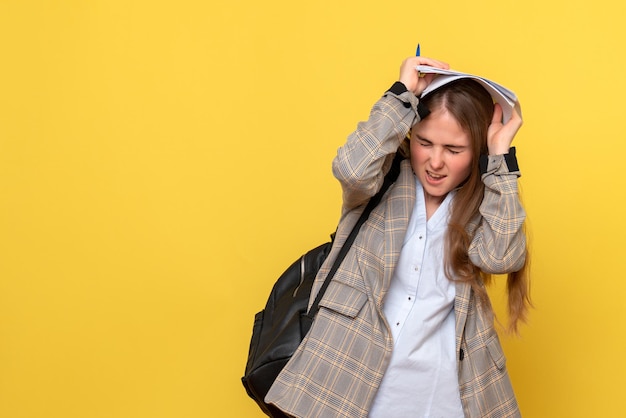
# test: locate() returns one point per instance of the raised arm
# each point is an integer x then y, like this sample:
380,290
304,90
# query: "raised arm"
363,160
499,243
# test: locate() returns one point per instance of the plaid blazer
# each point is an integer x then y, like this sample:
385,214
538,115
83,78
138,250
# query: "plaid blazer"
338,367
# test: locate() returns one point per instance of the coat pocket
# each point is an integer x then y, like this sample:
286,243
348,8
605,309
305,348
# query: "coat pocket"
496,352
343,299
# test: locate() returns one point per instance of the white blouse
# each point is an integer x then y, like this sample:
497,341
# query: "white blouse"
422,377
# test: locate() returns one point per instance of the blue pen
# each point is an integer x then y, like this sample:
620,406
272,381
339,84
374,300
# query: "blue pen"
417,54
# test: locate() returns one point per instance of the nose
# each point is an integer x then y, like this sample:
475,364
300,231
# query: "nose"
436,158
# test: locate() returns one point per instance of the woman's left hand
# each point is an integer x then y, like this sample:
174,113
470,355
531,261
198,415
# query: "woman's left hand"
500,136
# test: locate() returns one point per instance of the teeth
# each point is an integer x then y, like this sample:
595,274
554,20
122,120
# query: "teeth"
435,176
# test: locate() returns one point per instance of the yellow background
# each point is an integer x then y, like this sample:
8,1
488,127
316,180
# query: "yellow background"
161,163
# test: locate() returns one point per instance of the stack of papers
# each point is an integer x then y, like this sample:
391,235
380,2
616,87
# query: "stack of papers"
500,94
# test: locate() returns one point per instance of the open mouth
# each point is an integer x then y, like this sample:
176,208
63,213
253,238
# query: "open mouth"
434,176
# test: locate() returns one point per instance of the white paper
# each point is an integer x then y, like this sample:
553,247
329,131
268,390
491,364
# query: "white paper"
500,94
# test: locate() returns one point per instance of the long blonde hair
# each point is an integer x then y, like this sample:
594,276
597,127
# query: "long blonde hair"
472,106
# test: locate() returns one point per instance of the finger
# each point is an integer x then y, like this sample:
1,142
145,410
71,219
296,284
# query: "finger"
427,61
516,117
497,113
515,122
423,81
428,78
432,62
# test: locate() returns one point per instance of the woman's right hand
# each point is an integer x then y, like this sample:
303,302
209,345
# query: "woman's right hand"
411,78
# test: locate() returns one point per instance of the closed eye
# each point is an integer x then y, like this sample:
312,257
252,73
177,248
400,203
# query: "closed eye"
451,148
423,142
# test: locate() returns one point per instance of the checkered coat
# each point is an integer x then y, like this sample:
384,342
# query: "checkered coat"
339,366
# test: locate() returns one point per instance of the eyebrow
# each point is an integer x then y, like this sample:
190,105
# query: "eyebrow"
445,145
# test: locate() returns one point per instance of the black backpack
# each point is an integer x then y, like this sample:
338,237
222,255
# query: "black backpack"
280,328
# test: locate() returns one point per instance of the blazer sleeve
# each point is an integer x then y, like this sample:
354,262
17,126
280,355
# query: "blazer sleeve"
499,242
362,162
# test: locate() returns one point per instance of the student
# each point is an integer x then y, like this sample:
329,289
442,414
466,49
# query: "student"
405,328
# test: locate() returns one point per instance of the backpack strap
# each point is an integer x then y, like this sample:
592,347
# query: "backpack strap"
390,178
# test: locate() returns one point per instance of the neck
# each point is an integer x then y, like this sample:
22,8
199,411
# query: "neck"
432,204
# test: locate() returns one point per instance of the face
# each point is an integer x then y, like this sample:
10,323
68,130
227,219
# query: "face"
441,155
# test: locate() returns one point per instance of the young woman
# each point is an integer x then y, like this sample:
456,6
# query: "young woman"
405,328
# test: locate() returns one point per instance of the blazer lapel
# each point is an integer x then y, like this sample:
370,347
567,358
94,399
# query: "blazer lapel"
398,207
